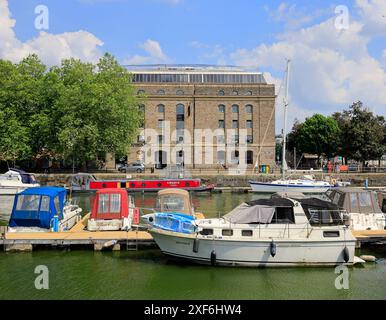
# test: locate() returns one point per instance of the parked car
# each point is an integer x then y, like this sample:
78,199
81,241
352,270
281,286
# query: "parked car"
132,167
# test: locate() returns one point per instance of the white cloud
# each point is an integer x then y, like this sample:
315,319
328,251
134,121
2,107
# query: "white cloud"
49,47
330,68
373,15
154,52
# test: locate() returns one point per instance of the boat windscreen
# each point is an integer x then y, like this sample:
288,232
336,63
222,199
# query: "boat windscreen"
321,212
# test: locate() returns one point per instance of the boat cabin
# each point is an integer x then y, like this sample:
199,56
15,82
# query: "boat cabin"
284,211
113,209
20,175
36,207
174,200
382,200
362,205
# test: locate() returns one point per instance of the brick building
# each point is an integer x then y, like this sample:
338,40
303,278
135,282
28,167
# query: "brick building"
234,110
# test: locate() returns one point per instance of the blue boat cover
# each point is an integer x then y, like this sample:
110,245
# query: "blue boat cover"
176,222
35,207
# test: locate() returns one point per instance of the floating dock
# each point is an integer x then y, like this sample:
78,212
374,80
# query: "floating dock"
131,240
370,237
77,236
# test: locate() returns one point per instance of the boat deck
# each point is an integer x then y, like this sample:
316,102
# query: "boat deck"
78,235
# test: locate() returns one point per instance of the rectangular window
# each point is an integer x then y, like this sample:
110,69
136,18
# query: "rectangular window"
249,139
115,203
227,232
221,124
160,139
247,233
103,204
249,124
331,234
207,232
235,124
28,203
161,123
235,138
45,204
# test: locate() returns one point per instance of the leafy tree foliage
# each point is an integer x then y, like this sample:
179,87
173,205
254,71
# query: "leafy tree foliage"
75,111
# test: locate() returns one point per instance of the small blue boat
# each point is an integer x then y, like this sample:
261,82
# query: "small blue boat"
43,209
172,221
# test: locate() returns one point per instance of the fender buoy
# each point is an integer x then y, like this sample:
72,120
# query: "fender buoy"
196,244
213,258
346,255
273,249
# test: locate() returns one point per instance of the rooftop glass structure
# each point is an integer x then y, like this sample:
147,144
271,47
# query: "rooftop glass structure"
194,74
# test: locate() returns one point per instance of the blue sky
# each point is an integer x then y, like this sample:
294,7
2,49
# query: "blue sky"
332,67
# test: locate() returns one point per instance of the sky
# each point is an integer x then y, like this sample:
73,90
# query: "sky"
337,48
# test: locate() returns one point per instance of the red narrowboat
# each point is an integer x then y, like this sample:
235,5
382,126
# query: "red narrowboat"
86,182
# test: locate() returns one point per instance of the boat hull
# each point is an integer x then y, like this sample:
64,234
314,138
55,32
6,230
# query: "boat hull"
261,187
254,253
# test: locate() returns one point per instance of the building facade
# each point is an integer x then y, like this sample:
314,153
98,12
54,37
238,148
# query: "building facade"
204,117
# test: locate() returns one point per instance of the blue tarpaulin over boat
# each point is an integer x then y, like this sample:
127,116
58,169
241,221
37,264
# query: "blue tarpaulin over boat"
35,207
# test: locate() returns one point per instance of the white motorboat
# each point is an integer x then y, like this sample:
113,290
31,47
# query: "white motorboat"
267,232
15,181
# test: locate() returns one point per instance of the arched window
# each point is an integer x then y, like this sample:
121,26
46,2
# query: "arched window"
248,108
248,93
139,92
235,93
180,92
235,108
180,109
161,92
161,108
221,108
221,93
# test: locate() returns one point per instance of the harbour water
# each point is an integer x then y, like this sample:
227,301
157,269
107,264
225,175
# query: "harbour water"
147,274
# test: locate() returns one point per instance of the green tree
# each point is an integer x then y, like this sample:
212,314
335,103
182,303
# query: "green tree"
317,135
14,144
363,133
97,109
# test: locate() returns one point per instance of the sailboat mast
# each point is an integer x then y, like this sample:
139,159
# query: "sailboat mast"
284,164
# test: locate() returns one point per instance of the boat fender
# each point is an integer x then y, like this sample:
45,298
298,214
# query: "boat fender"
273,249
213,258
368,258
196,244
346,255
